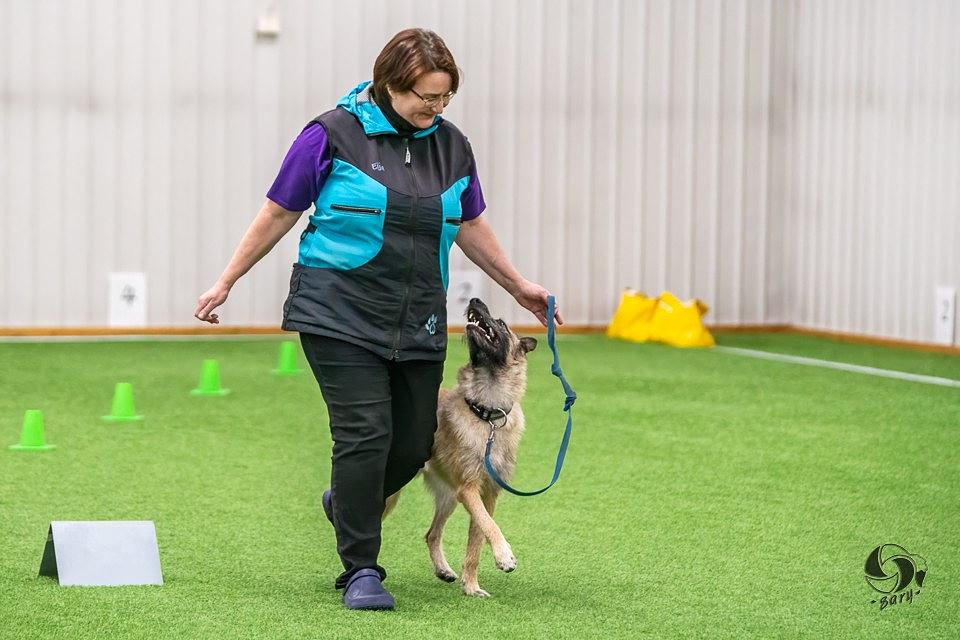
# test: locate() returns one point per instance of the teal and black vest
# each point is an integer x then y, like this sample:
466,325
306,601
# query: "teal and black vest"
372,267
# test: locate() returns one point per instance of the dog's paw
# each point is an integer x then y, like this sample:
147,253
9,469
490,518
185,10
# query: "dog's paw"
475,591
447,575
507,564
505,560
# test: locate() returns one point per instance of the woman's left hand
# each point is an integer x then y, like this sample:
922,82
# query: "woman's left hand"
533,297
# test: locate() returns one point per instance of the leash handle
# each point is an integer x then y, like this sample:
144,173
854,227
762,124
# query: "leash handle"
571,397
552,342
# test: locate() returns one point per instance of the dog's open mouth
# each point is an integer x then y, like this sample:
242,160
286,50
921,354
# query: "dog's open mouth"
476,321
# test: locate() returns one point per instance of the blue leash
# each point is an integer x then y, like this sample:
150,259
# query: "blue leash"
567,405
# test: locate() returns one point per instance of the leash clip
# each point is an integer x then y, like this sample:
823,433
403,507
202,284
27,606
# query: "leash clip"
502,418
492,421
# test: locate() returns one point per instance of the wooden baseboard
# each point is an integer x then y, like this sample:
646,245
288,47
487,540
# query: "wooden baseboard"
537,328
749,328
840,336
216,330
136,331
874,340
566,329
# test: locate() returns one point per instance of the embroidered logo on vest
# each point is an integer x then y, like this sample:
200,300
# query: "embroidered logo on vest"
376,166
431,324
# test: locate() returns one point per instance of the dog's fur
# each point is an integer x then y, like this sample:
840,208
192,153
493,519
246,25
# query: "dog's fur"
495,377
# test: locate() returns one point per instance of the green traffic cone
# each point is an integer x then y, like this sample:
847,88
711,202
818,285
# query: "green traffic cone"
288,359
122,410
31,438
210,381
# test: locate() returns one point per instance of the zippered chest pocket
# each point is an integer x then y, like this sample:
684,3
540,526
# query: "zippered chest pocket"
347,208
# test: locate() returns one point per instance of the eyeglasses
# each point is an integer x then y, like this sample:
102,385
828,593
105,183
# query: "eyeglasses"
434,101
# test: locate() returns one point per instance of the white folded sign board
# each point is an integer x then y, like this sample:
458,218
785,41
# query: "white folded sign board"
102,553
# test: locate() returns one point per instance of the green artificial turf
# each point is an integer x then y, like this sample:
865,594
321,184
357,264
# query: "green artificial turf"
704,495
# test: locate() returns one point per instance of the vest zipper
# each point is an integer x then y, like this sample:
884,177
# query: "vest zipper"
414,209
352,209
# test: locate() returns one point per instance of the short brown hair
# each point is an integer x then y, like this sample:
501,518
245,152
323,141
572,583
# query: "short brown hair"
410,54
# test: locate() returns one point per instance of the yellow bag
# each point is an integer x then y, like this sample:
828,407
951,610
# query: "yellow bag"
665,319
633,316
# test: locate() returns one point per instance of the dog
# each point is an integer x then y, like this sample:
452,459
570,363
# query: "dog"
489,389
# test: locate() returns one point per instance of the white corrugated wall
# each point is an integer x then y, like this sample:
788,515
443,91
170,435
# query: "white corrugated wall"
872,159
785,162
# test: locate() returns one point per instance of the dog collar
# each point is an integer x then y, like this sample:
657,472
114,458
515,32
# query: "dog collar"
487,414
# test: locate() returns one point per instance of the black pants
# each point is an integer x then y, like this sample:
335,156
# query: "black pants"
383,416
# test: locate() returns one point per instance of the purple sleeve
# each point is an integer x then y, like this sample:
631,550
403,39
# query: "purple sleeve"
304,170
471,200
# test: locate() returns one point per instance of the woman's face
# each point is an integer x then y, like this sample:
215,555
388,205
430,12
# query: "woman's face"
431,86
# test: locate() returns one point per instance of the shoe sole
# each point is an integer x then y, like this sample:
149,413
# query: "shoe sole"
371,608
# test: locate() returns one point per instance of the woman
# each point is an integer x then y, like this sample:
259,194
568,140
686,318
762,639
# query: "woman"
394,185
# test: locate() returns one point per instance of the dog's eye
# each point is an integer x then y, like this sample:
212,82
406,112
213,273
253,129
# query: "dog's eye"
502,323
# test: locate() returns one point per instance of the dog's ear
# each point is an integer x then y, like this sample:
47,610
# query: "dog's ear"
528,344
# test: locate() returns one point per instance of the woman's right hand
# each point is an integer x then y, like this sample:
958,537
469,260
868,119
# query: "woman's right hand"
209,301
271,223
